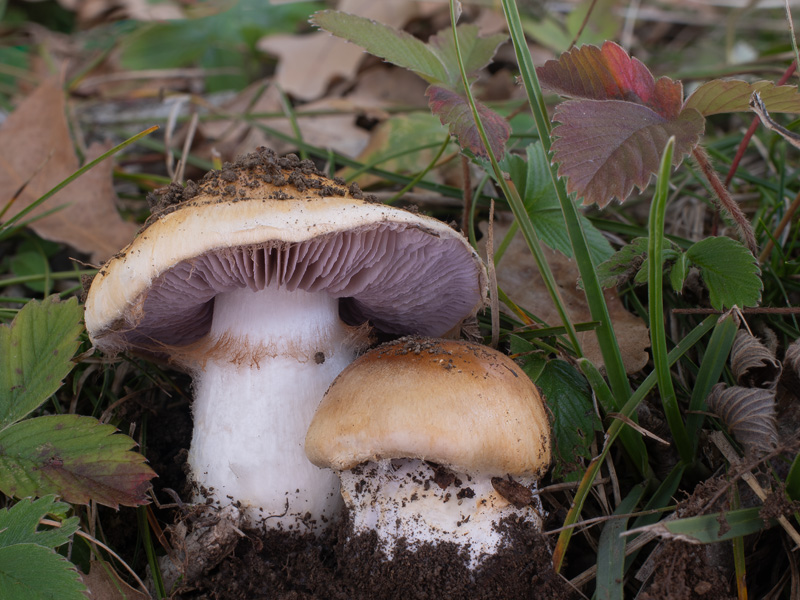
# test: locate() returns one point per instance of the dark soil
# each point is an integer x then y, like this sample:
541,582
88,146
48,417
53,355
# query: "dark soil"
685,572
282,566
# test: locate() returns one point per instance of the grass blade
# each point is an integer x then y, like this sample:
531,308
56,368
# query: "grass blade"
655,286
611,549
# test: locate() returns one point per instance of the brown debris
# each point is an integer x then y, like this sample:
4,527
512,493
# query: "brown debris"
753,364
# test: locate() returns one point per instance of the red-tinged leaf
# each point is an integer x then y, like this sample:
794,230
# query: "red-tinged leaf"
609,73
454,111
74,457
733,95
606,148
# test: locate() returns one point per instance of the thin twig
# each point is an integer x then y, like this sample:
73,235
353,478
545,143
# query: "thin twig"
94,540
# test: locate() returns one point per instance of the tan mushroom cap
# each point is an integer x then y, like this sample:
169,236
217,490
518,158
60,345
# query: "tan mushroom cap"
459,404
276,221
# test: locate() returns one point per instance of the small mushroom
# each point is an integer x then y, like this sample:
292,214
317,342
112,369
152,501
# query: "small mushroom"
259,281
418,429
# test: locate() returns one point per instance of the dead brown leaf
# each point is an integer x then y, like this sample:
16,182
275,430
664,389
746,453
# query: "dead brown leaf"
103,583
37,134
93,11
519,278
310,62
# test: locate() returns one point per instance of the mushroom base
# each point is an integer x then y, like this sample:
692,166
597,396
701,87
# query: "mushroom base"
423,503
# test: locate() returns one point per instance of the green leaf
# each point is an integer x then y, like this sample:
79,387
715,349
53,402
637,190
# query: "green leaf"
397,47
476,52
31,572
611,548
531,176
624,264
569,398
226,39
30,263
20,523
793,479
74,457
36,350
396,145
733,95
677,276
705,529
530,358
729,271
435,61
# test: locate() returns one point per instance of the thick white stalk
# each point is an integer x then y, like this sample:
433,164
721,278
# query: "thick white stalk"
272,354
400,498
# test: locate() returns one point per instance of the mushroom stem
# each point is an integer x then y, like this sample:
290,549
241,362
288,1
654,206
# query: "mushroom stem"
256,392
404,499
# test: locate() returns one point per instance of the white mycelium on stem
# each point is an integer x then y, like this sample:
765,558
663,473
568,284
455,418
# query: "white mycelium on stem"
274,354
419,503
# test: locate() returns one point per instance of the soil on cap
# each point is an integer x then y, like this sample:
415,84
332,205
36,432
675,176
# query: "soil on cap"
284,566
234,180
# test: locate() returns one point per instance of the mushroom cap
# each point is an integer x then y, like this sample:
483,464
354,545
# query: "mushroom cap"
459,404
265,221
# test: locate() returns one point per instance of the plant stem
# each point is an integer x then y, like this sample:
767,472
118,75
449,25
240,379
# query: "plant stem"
606,338
726,202
517,206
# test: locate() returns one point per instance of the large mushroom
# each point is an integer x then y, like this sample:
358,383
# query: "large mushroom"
260,281
434,441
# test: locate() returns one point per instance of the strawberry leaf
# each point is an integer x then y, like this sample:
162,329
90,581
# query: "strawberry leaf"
20,523
476,51
723,96
608,73
36,350
454,111
607,147
32,572
397,47
612,134
74,457
435,61
730,272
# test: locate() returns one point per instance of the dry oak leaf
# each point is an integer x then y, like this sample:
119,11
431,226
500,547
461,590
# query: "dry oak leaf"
310,62
37,134
519,278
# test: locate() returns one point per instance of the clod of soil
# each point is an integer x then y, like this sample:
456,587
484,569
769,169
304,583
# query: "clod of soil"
283,566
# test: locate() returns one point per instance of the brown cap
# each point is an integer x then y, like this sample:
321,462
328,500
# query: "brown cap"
277,221
459,404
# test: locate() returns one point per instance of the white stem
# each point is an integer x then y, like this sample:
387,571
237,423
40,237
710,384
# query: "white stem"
272,356
400,499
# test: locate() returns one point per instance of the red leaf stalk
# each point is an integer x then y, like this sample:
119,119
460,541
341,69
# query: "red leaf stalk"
725,201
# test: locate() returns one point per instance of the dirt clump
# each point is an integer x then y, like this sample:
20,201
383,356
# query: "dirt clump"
277,565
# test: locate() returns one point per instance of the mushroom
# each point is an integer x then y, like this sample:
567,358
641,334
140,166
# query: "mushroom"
434,441
259,281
